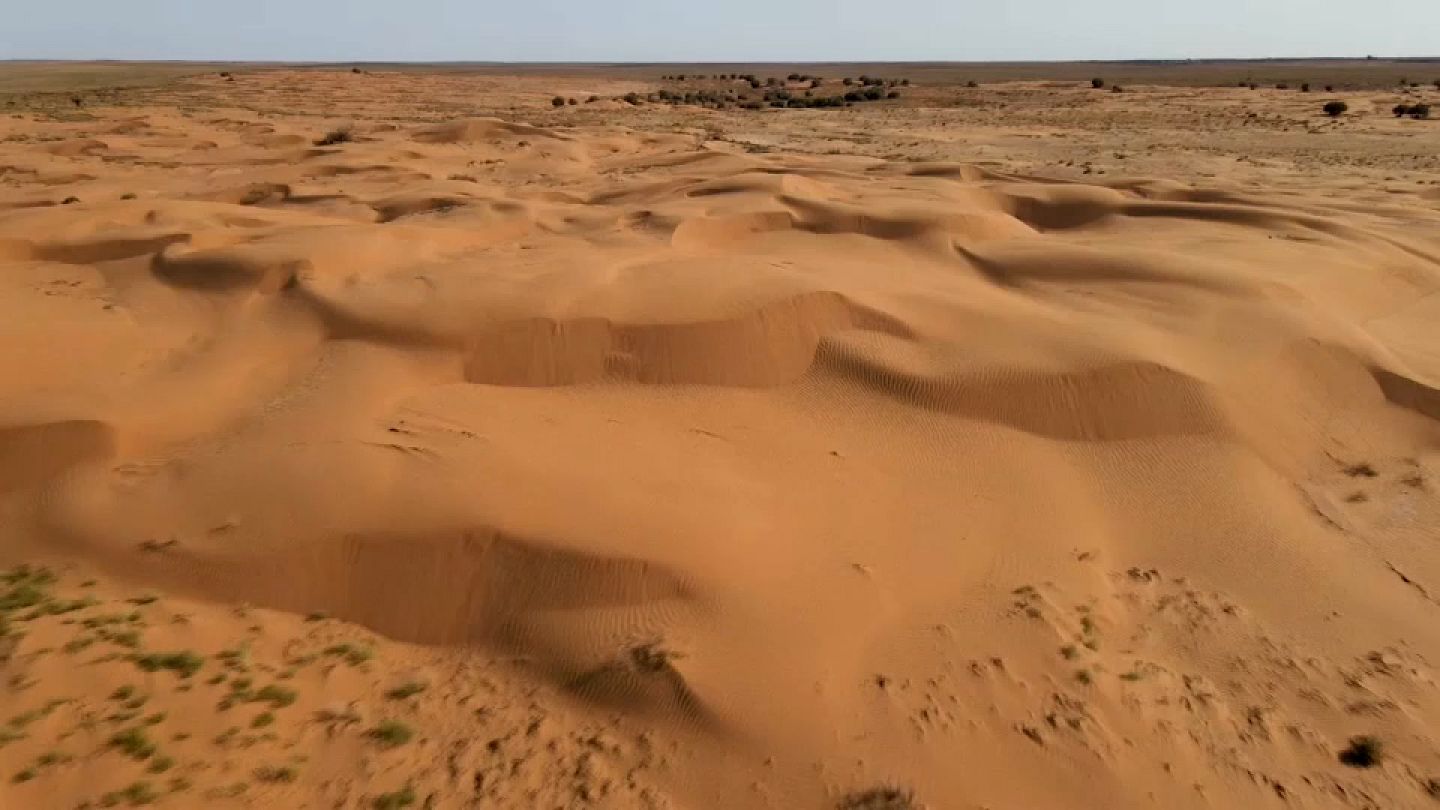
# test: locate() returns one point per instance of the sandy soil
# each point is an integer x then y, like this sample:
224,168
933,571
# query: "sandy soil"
1011,447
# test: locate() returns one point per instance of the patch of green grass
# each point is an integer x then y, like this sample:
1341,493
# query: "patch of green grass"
134,743
143,599
155,719
137,794
184,663
1070,652
24,776
123,693
129,639
19,597
277,696
161,764
53,758
354,654
406,690
1083,676
78,644
92,622
271,773
391,733
237,659
404,797
262,720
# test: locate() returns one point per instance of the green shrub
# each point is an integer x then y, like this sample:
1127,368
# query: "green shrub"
134,743
405,797
184,663
391,733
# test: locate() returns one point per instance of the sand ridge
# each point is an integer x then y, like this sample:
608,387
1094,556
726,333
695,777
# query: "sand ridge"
677,473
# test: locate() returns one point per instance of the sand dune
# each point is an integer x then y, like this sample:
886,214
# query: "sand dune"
488,463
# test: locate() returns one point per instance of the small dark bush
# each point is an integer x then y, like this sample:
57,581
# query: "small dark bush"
572,102
1282,86
1335,109
1254,86
356,70
1305,88
1420,112
848,82
972,84
1097,83
336,136
882,798
558,101
893,94
1329,88
1117,89
592,99
1401,110
1363,752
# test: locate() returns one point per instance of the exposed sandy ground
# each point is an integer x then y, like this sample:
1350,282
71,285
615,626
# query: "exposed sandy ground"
1015,447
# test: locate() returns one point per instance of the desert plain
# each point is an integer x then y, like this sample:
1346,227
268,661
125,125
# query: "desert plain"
574,436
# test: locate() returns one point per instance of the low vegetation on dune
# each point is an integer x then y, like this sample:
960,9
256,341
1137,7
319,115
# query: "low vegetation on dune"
750,92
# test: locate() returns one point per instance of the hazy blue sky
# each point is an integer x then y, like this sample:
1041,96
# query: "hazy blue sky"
716,30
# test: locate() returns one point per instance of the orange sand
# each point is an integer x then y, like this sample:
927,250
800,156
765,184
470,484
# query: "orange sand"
680,474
